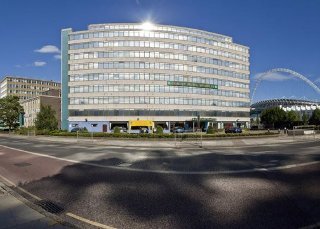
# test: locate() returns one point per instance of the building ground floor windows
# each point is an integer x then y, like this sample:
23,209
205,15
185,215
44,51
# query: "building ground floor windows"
169,123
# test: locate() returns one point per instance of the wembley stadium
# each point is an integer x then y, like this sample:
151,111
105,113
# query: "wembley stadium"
300,106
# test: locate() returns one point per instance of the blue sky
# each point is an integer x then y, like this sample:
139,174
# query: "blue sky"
280,33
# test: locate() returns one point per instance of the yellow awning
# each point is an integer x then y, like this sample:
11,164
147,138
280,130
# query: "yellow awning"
141,123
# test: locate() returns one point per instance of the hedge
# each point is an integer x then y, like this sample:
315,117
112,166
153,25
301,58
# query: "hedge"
142,135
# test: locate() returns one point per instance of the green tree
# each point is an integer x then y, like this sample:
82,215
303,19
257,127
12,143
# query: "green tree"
305,119
292,117
258,121
46,119
117,130
210,130
273,117
315,117
10,110
159,130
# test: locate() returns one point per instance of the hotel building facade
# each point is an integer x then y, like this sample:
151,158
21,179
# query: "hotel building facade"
113,73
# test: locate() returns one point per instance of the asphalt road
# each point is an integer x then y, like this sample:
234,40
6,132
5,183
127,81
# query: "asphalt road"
128,187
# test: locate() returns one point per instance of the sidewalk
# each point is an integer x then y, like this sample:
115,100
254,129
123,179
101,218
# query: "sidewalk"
173,143
14,213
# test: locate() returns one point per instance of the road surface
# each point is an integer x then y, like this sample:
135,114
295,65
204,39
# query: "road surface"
273,186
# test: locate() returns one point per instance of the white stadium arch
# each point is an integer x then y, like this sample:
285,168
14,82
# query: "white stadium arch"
285,70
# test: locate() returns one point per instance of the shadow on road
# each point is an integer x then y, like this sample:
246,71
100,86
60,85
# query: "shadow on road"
129,199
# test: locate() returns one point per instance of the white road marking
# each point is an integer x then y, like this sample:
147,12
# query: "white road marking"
172,171
125,164
265,151
312,226
96,224
68,213
273,161
21,189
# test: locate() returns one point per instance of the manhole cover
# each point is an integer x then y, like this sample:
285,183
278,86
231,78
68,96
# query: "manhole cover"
22,164
49,206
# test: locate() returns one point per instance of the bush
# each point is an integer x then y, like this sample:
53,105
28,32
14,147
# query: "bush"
141,136
159,130
43,132
25,130
116,130
210,130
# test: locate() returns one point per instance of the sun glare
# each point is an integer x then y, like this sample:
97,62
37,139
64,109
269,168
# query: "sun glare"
147,26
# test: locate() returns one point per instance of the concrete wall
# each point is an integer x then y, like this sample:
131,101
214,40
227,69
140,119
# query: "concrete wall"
91,126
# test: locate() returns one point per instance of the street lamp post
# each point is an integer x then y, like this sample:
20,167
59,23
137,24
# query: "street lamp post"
198,117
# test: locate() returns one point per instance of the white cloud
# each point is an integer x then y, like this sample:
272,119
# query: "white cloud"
273,76
58,57
48,49
39,63
18,66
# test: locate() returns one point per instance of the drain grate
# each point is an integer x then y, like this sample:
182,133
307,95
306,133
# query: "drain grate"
22,164
2,190
49,206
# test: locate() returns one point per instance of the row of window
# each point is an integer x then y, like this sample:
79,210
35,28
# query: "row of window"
157,44
161,55
161,35
19,80
156,65
155,77
161,28
156,100
23,92
155,88
147,112
26,86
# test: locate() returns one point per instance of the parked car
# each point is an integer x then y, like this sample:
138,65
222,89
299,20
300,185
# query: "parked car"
122,129
76,129
144,130
178,129
233,130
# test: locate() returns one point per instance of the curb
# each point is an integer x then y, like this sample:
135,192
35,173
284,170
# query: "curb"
30,202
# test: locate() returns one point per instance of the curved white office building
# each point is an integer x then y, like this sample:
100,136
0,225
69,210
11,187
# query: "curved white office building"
113,73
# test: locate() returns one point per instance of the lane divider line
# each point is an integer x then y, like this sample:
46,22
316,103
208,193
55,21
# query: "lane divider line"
93,223
172,171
